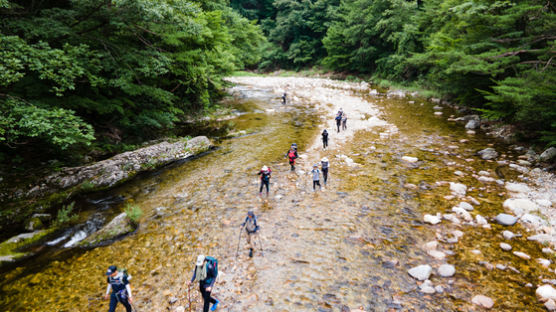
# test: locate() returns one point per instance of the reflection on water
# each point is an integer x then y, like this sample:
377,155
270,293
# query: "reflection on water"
348,245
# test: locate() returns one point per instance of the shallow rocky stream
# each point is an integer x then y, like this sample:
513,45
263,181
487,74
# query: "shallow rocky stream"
350,244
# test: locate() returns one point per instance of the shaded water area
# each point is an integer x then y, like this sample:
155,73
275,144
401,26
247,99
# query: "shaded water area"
350,244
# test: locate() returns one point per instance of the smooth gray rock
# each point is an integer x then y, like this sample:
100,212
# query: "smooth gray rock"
483,301
506,219
472,124
488,153
446,270
119,226
506,247
548,154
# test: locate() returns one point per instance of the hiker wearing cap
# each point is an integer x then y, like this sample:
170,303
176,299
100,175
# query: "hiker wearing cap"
205,272
292,155
324,168
118,282
251,228
316,176
324,139
265,179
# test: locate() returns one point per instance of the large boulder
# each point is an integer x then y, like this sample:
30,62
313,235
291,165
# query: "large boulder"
548,154
520,206
488,153
546,292
116,228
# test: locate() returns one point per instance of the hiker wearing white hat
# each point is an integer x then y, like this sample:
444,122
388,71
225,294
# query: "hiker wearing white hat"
324,167
205,272
265,179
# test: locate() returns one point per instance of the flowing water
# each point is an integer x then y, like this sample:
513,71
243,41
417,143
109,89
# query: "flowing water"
349,244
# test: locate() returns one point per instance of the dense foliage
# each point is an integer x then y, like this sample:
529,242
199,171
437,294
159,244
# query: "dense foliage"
74,71
496,56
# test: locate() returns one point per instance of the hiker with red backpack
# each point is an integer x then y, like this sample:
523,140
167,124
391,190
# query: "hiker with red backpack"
265,179
205,272
292,155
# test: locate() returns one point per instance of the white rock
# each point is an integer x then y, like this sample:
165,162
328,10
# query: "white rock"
506,247
486,179
432,219
410,159
488,153
481,220
458,189
501,267
427,287
533,221
520,206
546,292
484,173
506,219
544,203
459,173
550,305
483,301
436,254
466,206
446,270
473,201
421,272
522,255
438,113
544,262
451,217
432,245
439,289
476,252
457,233
519,168
180,309
462,213
541,238
547,250
508,235
517,187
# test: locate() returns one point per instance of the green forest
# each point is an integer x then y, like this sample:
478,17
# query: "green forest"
83,75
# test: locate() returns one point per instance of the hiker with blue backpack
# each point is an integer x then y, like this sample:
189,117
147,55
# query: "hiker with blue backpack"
265,179
205,272
118,282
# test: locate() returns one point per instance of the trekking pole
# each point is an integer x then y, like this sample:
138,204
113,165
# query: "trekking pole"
260,244
239,240
189,296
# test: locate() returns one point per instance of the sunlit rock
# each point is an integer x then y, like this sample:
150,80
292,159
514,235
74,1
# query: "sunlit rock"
421,272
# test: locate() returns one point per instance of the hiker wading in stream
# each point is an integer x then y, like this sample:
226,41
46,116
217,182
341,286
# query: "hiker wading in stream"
338,121
316,176
284,97
251,228
265,179
292,155
324,139
324,167
118,282
205,272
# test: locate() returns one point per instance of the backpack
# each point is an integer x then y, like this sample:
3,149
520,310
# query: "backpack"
214,264
338,118
291,155
266,176
250,225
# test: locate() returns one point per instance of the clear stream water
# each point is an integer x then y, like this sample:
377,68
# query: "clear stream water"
350,244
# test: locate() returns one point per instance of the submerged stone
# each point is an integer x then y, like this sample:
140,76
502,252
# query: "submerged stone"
483,301
506,219
421,272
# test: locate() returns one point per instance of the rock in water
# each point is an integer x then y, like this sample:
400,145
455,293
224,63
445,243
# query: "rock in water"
483,301
546,292
472,124
458,189
119,226
466,206
488,153
506,219
548,154
520,206
522,255
427,287
508,235
421,272
506,247
432,219
410,159
446,270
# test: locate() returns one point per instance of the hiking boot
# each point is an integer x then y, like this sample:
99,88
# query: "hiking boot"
215,305
250,252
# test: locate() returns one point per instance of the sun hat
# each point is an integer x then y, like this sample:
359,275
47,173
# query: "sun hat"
264,168
200,260
324,159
